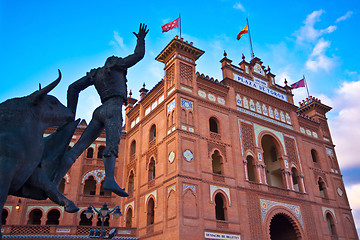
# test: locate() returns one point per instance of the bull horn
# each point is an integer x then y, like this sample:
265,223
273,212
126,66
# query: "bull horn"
42,92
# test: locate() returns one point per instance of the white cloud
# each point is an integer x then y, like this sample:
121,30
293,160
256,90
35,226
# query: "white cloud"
318,60
239,6
343,126
346,16
308,33
118,43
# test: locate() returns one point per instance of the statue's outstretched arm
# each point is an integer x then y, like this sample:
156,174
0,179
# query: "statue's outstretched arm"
74,90
139,51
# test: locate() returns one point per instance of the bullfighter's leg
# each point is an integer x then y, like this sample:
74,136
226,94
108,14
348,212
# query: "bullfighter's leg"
91,132
40,180
113,128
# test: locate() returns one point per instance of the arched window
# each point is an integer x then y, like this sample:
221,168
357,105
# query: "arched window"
331,224
151,174
84,221
250,168
213,125
90,153
150,212
90,186
314,155
100,151
322,188
295,179
53,217
131,183
183,115
220,209
106,221
133,148
35,217
216,162
104,192
152,133
62,186
4,215
129,215
274,176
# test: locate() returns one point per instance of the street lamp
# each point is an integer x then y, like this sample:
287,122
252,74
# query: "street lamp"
104,212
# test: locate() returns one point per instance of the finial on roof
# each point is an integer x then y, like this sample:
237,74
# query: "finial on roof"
285,82
130,93
143,85
225,54
269,68
243,57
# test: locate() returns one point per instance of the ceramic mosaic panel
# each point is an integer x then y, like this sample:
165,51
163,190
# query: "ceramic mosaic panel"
202,94
271,113
67,177
161,99
264,110
173,187
266,205
186,104
288,120
324,209
211,97
99,175
154,193
252,105
188,155
246,103
258,108
302,130
238,100
171,106
282,117
329,152
221,100
132,204
276,113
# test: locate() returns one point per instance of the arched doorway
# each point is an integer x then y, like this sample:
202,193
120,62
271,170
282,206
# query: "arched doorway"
282,229
129,218
84,221
90,186
4,215
53,217
272,155
35,217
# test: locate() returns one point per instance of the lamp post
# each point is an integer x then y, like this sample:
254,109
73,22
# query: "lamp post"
104,212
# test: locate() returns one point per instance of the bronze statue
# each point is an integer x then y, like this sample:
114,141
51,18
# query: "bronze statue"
27,160
110,83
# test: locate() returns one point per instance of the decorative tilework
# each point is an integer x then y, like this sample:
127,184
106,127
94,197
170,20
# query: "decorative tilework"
238,100
171,106
258,129
154,105
288,120
282,117
264,118
211,97
252,105
188,155
339,191
302,130
260,156
173,187
314,134
202,93
271,113
221,100
67,177
161,99
246,103
186,89
276,113
213,188
147,111
329,152
186,104
286,163
154,193
186,186
266,205
132,204
264,110
308,132
191,129
99,175
258,108
324,209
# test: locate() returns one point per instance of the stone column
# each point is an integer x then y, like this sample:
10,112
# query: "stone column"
245,169
301,184
291,181
286,178
258,168
264,174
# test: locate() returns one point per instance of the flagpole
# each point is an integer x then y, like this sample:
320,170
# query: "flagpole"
306,86
251,48
180,23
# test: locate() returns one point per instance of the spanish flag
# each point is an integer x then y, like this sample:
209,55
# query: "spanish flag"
245,30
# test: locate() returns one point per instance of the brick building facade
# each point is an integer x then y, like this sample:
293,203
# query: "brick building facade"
209,159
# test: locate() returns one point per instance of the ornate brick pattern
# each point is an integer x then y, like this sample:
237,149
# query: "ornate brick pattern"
186,74
254,212
324,128
212,146
291,150
310,225
30,230
170,76
247,134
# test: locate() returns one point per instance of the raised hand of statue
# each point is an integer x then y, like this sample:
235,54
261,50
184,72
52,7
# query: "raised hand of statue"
142,31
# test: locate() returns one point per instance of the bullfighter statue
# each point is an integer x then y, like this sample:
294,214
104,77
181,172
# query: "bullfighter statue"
110,83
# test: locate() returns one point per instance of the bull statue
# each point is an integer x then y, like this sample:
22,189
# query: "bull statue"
28,161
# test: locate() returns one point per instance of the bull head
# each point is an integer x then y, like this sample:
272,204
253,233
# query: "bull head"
38,95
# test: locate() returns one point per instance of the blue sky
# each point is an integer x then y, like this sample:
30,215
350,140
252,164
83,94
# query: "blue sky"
318,39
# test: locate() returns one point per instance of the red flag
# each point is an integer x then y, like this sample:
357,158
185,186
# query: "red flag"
298,84
245,30
170,25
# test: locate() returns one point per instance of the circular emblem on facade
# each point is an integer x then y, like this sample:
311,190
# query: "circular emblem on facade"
99,175
264,205
171,157
297,211
188,155
340,192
